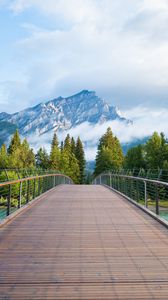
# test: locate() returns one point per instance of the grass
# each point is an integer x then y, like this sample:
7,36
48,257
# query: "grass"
162,203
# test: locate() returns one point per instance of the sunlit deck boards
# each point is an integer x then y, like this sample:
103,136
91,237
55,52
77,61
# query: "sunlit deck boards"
83,242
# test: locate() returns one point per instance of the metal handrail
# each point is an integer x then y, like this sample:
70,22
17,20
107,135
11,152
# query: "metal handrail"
148,193
136,178
16,193
31,178
7,174
156,174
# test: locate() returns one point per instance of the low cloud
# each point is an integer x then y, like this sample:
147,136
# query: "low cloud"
145,122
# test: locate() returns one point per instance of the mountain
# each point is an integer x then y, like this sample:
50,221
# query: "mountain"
6,129
134,143
63,114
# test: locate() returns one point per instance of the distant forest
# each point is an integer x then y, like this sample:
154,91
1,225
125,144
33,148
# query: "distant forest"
69,157
151,155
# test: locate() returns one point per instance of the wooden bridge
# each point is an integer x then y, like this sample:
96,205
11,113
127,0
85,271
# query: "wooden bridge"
83,242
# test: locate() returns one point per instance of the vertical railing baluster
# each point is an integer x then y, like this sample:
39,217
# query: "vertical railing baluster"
145,194
20,196
34,189
28,191
39,186
157,200
9,200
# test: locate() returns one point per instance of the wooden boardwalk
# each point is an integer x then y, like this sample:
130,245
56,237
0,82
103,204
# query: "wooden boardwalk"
83,242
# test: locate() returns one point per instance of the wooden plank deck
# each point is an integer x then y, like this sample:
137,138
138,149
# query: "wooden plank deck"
83,242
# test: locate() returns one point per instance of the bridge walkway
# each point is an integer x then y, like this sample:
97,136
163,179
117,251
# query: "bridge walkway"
83,242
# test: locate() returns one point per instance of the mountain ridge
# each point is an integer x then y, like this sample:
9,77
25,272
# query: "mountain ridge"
63,114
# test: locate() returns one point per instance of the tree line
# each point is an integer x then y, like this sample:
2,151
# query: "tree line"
151,155
67,158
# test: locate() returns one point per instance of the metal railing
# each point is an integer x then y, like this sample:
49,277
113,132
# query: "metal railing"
16,193
14,174
155,174
151,194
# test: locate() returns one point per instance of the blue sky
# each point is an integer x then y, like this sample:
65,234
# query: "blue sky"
59,47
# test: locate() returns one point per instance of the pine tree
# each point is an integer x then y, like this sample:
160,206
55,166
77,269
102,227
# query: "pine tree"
55,154
80,155
67,143
15,143
135,158
3,157
62,146
64,162
42,159
156,151
22,156
68,162
73,146
69,166
109,154
74,170
54,141
26,156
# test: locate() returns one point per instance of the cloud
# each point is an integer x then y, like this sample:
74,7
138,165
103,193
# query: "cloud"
102,45
145,122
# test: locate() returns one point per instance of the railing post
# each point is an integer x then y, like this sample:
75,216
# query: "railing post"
126,185
28,190
34,189
43,185
39,186
110,181
157,200
9,200
20,196
100,179
145,194
137,191
118,183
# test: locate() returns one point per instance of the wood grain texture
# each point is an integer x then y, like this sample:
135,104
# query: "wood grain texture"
83,242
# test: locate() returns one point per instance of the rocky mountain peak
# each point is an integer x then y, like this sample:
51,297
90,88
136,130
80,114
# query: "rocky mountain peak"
63,114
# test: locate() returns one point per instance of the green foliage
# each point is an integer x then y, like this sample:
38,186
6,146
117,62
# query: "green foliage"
19,154
135,158
22,156
73,146
74,170
156,151
80,155
67,143
15,143
42,159
69,159
89,178
61,158
55,154
69,165
4,160
54,142
55,159
152,155
109,154
62,146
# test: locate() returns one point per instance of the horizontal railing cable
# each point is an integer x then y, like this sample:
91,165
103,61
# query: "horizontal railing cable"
16,193
149,193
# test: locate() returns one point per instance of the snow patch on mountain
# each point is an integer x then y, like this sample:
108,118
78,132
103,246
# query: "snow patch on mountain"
62,114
